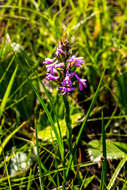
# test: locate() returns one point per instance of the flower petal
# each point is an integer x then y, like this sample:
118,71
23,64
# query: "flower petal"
48,61
51,77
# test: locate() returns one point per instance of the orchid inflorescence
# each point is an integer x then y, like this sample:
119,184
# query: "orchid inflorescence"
62,69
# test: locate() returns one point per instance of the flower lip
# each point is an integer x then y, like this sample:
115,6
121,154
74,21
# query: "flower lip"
82,82
59,51
76,61
48,61
59,65
52,68
67,80
65,90
51,77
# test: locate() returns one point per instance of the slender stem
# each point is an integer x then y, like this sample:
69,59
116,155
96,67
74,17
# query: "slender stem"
68,122
39,161
104,164
69,129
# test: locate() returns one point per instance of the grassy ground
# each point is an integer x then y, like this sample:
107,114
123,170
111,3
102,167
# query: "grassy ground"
35,152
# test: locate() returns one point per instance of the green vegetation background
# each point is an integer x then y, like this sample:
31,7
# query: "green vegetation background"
29,32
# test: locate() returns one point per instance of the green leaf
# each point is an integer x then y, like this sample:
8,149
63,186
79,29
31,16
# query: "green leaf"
47,134
113,151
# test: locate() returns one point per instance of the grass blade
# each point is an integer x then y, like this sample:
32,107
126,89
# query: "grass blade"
7,93
10,136
104,164
7,173
39,161
116,173
7,69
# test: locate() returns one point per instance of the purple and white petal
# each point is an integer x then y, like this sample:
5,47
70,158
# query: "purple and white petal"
67,80
82,82
65,90
51,68
51,77
59,65
59,52
78,61
48,61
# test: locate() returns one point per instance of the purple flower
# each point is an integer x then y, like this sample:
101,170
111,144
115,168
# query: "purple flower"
67,80
52,68
65,90
59,50
51,77
48,61
82,82
59,65
75,61
62,72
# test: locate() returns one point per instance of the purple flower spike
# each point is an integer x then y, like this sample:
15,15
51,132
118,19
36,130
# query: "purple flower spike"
51,77
76,61
67,80
62,68
65,90
48,61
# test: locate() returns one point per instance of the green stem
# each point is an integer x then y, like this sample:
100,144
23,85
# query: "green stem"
69,131
39,160
104,164
68,122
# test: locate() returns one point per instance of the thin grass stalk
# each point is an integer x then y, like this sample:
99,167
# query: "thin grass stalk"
116,173
39,160
7,139
104,164
7,69
8,177
29,179
56,166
